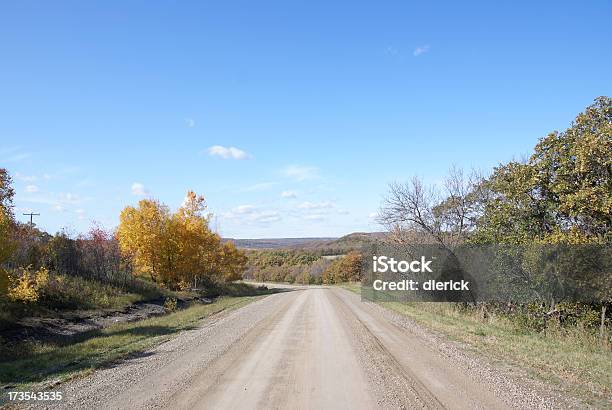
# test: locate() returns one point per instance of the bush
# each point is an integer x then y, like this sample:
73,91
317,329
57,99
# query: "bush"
4,283
73,292
170,304
305,278
26,287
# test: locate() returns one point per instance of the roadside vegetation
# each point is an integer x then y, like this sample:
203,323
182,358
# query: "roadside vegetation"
153,254
561,196
169,260
48,362
571,357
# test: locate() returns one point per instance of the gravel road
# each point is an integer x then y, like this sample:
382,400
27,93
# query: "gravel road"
311,348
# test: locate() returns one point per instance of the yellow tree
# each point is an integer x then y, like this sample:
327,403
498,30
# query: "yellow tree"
6,226
233,262
198,246
145,233
177,249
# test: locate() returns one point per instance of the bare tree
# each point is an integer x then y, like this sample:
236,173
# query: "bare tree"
416,213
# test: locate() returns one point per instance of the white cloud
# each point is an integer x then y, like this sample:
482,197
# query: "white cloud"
301,173
316,205
249,214
420,50
13,154
80,213
84,183
239,211
16,157
267,217
190,122
139,189
315,217
25,178
372,215
391,50
289,194
244,209
31,189
259,187
58,202
69,198
8,150
228,152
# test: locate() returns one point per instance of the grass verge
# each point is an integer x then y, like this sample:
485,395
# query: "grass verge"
572,359
51,363
68,294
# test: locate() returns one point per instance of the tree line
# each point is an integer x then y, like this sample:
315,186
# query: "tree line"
170,250
303,267
561,193
560,196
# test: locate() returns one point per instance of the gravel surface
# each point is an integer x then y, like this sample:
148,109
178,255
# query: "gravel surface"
313,348
510,384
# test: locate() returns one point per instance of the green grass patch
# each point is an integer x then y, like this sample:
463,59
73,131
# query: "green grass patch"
352,286
50,362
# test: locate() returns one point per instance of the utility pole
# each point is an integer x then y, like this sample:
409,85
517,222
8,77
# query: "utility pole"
32,215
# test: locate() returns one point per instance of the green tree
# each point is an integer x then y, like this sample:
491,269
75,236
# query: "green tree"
63,254
563,193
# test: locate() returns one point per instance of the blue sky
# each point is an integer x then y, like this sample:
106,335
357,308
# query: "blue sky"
324,103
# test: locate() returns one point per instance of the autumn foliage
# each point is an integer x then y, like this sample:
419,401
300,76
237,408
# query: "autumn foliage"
177,249
345,269
6,225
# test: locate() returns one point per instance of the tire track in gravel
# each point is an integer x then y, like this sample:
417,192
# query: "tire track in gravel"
407,388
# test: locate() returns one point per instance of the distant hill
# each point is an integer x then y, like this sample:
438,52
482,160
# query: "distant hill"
353,241
276,243
328,246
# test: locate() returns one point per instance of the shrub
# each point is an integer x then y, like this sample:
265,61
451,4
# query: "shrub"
306,278
4,283
26,288
170,304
